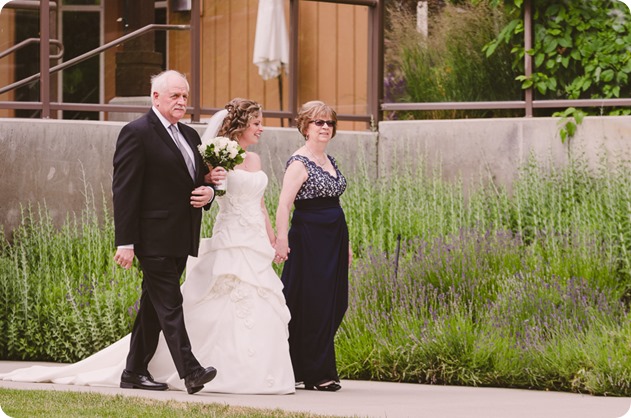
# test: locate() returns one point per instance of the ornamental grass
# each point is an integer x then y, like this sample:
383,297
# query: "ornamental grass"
525,288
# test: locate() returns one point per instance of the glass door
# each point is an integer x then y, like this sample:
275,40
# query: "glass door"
80,23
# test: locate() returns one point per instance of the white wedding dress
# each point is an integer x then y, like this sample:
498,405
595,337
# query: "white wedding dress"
234,310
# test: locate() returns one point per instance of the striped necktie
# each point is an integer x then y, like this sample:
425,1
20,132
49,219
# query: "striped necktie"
178,141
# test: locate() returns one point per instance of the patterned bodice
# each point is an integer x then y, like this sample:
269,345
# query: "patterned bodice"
242,202
319,182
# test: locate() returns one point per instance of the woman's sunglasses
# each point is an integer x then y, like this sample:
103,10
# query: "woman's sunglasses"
320,122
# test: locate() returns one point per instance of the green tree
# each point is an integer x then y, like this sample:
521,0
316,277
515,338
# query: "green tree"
581,48
449,64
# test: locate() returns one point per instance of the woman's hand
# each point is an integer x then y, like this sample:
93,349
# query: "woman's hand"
216,175
282,250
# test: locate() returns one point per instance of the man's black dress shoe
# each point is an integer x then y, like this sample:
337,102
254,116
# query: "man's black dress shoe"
131,380
331,386
196,380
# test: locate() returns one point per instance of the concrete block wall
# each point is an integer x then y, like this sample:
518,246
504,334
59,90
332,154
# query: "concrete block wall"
494,149
52,161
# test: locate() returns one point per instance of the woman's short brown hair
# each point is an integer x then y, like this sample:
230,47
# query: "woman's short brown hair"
312,110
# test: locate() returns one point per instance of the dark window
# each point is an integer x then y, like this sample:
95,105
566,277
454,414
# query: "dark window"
81,81
27,60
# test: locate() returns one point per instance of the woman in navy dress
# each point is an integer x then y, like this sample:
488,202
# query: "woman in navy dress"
315,249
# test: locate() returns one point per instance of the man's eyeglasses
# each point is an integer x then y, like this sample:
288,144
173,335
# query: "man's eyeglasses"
320,122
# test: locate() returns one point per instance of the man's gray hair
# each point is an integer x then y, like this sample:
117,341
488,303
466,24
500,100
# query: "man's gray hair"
159,82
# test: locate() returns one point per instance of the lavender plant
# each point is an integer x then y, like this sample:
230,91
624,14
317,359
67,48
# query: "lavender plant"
61,296
527,289
524,289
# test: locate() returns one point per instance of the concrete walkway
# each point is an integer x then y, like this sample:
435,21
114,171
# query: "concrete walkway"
392,400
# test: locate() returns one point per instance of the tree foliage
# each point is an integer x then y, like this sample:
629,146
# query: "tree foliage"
581,48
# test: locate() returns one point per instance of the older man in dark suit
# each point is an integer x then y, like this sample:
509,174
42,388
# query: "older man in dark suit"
159,192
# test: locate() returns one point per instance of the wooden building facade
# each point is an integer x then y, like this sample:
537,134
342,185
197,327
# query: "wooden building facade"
332,54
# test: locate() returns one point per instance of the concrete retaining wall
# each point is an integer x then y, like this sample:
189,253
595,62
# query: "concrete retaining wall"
496,148
52,161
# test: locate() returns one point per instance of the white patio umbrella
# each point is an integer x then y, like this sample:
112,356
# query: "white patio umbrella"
271,42
2,3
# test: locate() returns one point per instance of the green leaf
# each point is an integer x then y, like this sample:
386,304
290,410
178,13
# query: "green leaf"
571,129
490,48
575,54
579,116
550,64
566,41
563,134
615,91
550,45
607,75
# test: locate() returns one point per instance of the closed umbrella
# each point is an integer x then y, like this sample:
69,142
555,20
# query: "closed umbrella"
2,3
271,43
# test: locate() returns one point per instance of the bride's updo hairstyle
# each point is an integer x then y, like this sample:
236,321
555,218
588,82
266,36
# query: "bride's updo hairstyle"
311,111
240,113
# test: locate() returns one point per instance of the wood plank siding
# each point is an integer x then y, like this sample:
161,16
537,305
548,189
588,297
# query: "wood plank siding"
333,53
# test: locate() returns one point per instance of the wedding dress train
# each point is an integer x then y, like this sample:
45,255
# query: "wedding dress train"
234,310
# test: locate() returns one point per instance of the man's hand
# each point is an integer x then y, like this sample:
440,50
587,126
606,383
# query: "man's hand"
124,257
202,196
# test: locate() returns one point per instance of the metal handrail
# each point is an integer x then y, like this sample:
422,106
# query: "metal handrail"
29,41
375,104
514,104
94,52
375,64
28,4
528,104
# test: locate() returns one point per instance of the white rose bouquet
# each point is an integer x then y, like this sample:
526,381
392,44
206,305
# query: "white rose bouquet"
221,152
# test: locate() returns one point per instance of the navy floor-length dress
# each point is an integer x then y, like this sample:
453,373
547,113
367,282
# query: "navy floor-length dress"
315,276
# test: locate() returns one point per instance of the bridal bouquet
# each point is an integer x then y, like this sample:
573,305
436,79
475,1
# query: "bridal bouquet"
221,152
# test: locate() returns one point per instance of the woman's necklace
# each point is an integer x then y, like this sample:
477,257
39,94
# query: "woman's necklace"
316,160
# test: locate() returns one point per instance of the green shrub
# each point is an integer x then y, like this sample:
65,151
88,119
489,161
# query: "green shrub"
527,288
62,296
449,65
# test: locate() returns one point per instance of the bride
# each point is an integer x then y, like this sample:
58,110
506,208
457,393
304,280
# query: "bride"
234,307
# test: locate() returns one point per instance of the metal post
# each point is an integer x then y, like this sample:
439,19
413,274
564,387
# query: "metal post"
44,58
292,79
529,93
375,61
195,83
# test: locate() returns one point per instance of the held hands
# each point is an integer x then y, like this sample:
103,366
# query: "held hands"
124,257
202,196
282,250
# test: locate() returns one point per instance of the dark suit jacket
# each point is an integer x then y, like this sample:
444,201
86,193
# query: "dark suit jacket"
152,189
